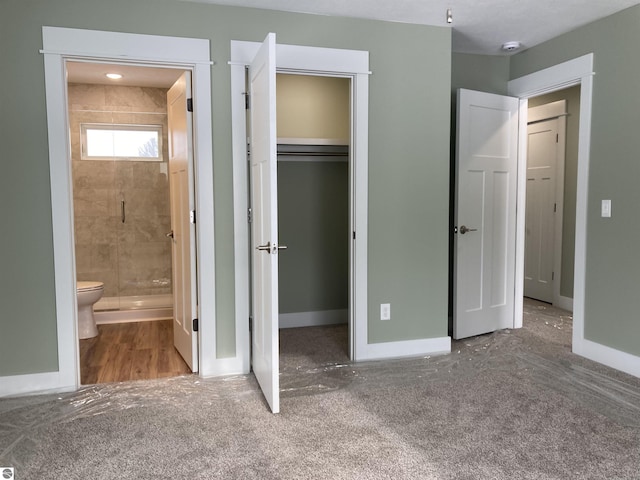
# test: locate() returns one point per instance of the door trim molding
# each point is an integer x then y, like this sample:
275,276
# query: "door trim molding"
60,45
353,64
578,71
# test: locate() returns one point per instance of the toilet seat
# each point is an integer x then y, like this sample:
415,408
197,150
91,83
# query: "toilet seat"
89,286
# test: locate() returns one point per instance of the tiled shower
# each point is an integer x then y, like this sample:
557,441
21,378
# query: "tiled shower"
121,207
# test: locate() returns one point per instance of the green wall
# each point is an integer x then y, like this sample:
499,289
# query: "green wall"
408,160
486,73
313,219
572,97
313,196
612,264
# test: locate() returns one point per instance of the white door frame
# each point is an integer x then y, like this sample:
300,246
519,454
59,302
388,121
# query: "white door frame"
60,45
311,61
578,71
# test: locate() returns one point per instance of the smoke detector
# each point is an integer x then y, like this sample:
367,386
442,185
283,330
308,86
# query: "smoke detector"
511,46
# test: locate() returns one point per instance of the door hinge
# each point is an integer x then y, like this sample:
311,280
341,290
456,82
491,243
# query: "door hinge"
249,215
189,104
557,137
250,324
354,235
192,216
555,205
247,101
553,275
195,324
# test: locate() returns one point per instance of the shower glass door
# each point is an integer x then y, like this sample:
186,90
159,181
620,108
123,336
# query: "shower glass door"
121,193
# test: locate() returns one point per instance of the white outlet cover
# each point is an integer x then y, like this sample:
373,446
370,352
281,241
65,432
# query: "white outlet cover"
385,311
605,211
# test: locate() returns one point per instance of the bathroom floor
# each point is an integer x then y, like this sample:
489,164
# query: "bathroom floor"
130,351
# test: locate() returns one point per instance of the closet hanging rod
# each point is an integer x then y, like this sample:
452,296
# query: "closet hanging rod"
314,154
313,150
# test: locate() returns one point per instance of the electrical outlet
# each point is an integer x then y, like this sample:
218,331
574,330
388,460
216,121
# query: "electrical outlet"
605,211
385,311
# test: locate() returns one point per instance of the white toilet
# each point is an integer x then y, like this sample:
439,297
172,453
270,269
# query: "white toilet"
88,294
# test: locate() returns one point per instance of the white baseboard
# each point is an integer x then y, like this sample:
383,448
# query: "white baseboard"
565,303
39,383
129,316
222,367
608,356
313,319
406,348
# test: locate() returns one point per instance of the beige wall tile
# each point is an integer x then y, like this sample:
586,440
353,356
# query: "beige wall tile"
134,257
80,94
94,201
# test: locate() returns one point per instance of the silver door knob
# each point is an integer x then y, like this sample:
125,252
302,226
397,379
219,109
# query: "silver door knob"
265,248
464,229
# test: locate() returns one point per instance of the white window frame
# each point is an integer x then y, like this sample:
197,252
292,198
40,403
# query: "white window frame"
84,147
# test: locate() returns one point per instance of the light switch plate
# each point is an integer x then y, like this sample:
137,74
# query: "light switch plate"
605,211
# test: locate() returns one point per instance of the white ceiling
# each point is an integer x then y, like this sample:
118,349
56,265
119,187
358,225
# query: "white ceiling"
94,73
479,26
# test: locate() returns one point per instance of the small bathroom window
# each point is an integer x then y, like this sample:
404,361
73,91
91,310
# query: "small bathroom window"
107,141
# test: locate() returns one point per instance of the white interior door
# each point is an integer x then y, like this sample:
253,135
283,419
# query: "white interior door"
182,223
264,225
542,153
485,212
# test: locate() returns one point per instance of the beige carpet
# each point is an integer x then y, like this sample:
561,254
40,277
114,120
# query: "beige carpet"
509,405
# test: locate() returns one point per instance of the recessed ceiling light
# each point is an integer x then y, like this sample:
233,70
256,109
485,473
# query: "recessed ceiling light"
511,46
114,76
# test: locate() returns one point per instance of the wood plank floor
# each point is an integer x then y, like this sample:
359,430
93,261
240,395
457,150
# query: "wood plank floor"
130,351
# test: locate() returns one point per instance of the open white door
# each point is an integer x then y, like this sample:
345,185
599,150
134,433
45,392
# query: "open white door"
264,225
182,221
485,213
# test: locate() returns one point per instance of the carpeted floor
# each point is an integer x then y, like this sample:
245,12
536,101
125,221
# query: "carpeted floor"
514,404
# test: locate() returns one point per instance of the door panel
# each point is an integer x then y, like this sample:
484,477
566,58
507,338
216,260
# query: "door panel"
264,225
542,152
485,213
183,230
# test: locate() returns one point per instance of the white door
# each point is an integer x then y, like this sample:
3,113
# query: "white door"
182,223
542,153
485,213
264,226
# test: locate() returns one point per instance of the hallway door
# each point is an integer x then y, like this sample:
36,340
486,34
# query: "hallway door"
264,224
545,198
485,213
541,208
183,238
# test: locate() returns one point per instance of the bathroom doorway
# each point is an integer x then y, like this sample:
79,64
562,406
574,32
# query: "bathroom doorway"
123,220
